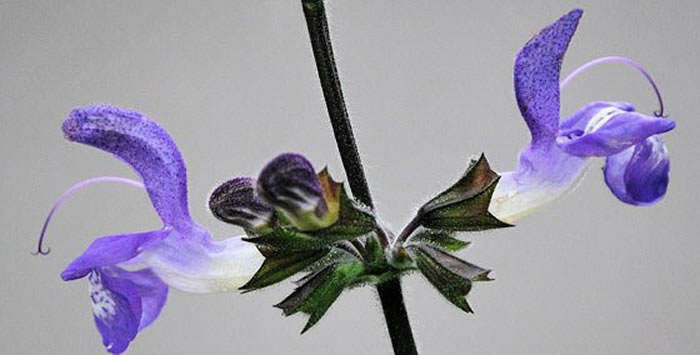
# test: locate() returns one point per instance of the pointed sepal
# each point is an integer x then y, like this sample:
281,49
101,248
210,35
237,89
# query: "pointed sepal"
307,285
284,240
278,267
321,290
354,220
451,276
464,206
441,239
330,190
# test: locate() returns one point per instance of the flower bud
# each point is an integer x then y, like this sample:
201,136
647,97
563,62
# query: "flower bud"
289,182
235,202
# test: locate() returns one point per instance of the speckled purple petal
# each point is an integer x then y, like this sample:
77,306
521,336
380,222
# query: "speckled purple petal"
610,130
639,175
537,68
145,146
110,250
116,307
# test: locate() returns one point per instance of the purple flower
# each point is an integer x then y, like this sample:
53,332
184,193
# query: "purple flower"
182,254
637,163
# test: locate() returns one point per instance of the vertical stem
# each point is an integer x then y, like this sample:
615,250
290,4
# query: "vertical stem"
396,317
389,292
317,24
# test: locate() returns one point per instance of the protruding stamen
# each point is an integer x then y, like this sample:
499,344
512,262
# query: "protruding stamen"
73,189
581,69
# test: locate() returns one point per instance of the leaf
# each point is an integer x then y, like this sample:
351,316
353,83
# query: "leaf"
353,221
320,291
441,239
278,267
464,206
451,276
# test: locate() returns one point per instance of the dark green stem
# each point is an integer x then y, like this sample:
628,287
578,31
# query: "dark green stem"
323,53
396,317
390,291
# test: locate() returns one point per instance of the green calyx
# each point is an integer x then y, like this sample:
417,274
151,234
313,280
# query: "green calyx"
309,220
465,205
354,250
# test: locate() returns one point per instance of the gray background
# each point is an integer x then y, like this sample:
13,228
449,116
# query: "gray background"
428,83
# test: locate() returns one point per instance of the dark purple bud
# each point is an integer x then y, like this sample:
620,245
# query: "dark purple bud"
289,182
236,202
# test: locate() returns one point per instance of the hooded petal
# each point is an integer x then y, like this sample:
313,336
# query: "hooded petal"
110,250
639,175
145,146
537,68
609,130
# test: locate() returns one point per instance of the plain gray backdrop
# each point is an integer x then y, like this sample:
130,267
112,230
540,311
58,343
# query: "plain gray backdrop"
428,84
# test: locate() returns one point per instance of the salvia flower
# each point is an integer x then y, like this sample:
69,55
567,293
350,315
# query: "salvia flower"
290,183
637,164
181,254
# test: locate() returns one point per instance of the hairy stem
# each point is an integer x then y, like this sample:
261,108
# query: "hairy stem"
389,292
332,92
